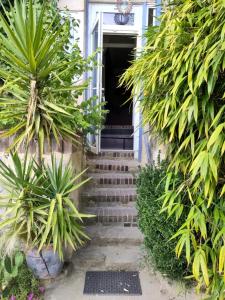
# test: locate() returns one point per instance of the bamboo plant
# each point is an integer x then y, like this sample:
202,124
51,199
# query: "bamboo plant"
181,74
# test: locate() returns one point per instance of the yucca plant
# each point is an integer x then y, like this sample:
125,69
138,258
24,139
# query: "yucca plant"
21,197
38,208
181,75
64,222
41,72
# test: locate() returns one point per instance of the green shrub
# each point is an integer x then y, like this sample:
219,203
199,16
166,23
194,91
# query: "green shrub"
24,284
9,269
156,226
17,280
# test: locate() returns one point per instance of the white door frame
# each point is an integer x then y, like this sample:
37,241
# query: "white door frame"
131,30
95,88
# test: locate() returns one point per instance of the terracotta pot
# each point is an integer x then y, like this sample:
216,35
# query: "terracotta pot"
44,264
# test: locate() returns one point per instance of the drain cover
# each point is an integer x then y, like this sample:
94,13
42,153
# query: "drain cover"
110,282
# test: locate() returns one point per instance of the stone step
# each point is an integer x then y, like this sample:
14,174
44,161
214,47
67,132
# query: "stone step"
126,215
109,179
113,235
113,154
114,258
118,127
110,165
117,142
117,131
107,204
108,195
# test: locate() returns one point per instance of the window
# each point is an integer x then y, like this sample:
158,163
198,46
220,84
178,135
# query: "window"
150,16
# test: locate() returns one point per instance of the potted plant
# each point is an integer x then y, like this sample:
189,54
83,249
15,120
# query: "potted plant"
39,211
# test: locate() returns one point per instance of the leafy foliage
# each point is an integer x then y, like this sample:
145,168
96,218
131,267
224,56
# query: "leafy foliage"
25,284
42,72
22,282
38,207
9,269
155,225
181,71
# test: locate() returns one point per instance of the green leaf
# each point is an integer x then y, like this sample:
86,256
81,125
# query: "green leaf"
48,226
215,135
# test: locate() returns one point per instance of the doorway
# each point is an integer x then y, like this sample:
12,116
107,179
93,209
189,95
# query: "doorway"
118,52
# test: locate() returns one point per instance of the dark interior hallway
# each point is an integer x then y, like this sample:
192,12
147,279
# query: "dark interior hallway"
117,56
116,61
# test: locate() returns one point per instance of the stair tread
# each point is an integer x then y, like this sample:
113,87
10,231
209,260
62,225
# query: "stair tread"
112,210
110,196
111,175
124,257
102,204
128,162
114,233
109,191
114,154
116,136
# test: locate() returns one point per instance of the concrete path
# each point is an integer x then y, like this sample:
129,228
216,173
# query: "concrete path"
153,288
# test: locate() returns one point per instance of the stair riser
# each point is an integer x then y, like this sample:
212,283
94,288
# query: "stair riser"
107,201
112,168
117,131
113,181
123,220
113,155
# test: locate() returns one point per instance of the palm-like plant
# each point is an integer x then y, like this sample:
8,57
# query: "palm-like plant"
20,185
63,225
38,206
41,77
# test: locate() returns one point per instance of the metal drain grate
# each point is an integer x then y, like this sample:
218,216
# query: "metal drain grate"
111,282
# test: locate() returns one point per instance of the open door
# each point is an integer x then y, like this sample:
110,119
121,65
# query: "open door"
96,83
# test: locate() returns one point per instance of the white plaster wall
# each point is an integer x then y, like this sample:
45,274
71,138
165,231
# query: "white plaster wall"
76,8
113,1
155,146
77,5
80,34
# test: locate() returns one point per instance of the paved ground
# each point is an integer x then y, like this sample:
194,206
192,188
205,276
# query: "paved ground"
153,289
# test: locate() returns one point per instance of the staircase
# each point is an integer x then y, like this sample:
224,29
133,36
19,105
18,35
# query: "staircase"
110,196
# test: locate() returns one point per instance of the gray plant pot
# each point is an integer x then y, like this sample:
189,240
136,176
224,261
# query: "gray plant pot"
44,264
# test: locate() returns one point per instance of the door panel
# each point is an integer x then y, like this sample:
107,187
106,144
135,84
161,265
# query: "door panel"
96,83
